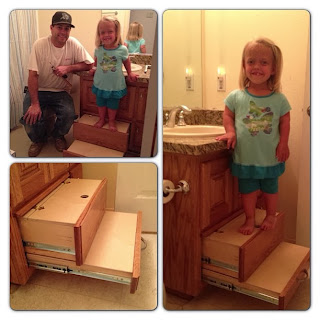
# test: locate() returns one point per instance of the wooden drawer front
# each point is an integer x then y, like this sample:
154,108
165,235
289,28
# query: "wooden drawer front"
237,255
114,254
66,220
275,280
84,130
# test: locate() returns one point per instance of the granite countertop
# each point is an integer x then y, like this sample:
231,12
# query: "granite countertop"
193,146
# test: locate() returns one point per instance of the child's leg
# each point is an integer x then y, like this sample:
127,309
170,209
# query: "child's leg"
112,119
102,111
249,201
269,221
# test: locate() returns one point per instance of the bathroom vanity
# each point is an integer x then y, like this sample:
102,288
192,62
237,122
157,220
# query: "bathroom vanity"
58,222
130,121
201,242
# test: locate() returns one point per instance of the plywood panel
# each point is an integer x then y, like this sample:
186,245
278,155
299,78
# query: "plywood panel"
113,245
66,203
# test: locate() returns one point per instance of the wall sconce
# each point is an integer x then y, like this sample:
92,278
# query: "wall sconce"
221,79
189,79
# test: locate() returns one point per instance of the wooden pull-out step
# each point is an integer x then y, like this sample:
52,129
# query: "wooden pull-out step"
84,149
85,130
231,253
114,254
275,280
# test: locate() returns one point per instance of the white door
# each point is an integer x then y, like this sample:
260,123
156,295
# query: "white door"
303,209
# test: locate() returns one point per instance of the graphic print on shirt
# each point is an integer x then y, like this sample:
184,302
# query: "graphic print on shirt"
258,119
108,63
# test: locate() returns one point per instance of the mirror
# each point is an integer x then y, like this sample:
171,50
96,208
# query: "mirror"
200,45
148,19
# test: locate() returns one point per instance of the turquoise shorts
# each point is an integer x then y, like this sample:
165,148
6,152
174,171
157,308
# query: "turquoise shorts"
109,103
265,185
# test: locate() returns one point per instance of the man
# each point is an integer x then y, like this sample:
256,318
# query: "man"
52,62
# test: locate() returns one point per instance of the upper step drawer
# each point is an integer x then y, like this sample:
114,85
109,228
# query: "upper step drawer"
237,255
85,130
67,219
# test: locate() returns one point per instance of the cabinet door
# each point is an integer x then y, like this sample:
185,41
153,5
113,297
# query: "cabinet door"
87,98
217,191
29,180
136,136
126,106
141,103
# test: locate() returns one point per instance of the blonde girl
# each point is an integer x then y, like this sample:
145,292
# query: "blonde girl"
257,124
109,83
134,41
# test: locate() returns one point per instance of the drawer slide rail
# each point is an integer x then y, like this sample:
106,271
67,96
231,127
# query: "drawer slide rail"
220,264
231,287
48,247
89,274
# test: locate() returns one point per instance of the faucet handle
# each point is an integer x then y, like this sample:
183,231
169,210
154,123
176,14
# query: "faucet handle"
181,121
166,117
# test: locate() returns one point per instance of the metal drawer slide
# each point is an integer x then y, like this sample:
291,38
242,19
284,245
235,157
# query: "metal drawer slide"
89,274
231,287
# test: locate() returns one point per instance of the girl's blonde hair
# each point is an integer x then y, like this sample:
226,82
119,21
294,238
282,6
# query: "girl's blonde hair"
135,31
117,28
274,83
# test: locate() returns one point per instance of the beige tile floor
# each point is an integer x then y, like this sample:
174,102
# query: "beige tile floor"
213,298
54,291
20,143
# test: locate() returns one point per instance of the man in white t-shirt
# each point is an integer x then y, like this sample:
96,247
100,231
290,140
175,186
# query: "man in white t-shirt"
52,62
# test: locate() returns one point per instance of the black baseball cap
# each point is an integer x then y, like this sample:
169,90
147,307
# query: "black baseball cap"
62,17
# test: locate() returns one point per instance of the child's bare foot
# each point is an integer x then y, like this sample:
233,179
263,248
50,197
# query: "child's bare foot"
248,227
268,222
112,126
100,123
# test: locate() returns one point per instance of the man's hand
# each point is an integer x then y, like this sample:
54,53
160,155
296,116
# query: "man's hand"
33,114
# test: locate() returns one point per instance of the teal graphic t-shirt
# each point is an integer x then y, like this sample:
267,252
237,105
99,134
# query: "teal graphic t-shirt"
134,46
257,128
109,81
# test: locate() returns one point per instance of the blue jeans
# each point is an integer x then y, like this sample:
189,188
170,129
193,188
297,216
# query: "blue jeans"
61,104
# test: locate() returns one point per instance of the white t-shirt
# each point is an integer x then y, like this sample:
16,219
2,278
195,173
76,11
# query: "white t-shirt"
44,55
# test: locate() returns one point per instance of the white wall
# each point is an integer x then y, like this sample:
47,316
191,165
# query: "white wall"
137,191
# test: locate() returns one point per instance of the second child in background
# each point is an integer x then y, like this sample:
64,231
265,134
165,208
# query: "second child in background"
109,83
134,41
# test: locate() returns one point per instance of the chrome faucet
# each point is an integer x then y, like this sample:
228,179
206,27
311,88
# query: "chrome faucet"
172,115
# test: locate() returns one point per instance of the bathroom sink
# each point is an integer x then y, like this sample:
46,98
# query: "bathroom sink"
197,131
134,67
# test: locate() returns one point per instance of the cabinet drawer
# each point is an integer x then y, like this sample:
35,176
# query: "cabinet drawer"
231,253
84,130
275,280
67,219
114,254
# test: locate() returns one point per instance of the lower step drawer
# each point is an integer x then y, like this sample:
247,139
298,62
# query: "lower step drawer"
80,148
85,130
114,254
275,280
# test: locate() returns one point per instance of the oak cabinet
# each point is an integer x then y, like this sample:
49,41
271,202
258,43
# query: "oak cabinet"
131,108
202,244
